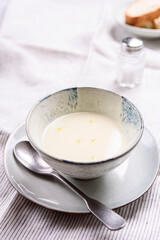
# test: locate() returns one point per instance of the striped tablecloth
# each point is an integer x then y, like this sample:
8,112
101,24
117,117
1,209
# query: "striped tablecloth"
40,54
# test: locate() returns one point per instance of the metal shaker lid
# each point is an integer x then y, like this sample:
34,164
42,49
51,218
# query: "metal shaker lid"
132,44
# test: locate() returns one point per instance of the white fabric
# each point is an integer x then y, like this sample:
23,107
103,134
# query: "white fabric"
49,45
60,25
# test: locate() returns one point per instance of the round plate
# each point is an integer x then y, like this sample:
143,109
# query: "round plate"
142,32
118,187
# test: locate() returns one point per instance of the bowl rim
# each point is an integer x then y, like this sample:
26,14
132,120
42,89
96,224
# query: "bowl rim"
77,162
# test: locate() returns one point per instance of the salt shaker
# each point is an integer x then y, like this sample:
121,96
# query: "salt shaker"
130,62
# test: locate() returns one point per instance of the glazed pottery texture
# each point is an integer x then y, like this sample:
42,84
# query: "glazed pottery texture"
84,100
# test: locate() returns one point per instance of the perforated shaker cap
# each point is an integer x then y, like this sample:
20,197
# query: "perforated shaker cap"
132,44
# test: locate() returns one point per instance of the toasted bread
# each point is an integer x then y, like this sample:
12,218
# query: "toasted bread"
148,25
157,23
141,12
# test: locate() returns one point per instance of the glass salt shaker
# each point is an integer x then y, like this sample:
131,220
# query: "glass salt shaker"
130,62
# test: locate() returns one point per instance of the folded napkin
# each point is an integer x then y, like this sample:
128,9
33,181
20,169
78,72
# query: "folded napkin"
77,47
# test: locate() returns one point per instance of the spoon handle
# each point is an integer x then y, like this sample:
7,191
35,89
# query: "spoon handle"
107,216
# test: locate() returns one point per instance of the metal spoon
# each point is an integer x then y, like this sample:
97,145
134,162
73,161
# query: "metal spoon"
29,157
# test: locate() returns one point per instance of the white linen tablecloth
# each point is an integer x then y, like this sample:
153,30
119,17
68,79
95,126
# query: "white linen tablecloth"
49,45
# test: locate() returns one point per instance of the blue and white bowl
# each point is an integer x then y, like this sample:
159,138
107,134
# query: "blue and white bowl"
84,99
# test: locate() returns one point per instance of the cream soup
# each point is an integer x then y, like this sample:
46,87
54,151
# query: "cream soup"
84,137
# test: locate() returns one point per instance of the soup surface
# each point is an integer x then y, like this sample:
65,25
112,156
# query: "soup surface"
84,137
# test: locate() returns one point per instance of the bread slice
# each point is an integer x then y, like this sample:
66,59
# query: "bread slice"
148,25
141,12
157,23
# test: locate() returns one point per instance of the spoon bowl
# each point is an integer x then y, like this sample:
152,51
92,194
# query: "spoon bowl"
28,157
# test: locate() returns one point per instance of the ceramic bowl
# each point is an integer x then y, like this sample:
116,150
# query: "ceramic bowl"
84,100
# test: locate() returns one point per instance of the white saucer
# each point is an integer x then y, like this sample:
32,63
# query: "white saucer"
142,32
117,188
